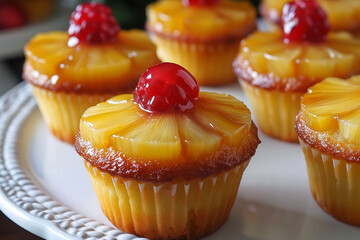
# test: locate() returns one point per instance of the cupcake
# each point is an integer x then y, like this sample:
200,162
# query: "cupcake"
328,128
343,14
276,68
94,61
202,36
166,162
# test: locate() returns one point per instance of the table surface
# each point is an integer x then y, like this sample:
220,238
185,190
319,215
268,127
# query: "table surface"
11,231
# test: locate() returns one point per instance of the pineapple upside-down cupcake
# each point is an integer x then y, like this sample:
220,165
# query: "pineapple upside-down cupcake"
95,60
202,36
328,126
343,14
166,162
275,68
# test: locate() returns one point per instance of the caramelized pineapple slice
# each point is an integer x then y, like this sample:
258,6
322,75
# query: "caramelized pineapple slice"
137,47
225,115
333,106
132,52
203,22
46,51
119,123
283,62
343,15
193,136
268,54
343,42
316,62
156,138
171,17
349,127
344,62
254,47
100,122
93,62
110,105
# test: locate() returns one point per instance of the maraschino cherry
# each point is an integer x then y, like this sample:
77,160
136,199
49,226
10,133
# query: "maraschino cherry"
199,3
304,20
165,87
92,23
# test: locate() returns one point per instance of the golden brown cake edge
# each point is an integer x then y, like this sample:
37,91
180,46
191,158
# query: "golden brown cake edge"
325,142
115,163
268,81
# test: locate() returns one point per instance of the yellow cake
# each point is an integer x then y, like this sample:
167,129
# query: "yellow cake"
67,79
203,39
275,74
328,128
344,15
168,171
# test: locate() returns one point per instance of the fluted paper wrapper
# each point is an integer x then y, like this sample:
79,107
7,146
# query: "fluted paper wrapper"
274,111
173,210
334,183
210,63
62,111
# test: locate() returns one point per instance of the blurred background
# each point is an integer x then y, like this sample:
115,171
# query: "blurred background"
20,20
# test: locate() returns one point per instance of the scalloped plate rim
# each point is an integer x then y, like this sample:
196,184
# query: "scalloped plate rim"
21,212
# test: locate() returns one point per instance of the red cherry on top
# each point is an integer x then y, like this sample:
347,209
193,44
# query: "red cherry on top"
304,20
199,3
92,23
166,87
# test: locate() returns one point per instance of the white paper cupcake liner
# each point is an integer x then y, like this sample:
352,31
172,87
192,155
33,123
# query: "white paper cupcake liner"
170,210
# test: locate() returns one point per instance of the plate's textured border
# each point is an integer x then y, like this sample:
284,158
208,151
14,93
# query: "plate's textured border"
20,194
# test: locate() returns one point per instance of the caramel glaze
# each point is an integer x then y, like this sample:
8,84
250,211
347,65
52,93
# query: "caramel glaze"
326,142
117,164
273,16
234,36
106,86
269,81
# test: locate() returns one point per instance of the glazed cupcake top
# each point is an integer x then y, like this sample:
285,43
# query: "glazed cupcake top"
329,118
343,14
201,21
267,62
95,56
167,130
300,55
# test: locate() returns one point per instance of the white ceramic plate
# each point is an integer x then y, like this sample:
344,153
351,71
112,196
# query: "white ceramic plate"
45,189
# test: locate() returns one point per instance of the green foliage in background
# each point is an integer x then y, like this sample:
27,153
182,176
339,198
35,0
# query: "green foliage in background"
131,13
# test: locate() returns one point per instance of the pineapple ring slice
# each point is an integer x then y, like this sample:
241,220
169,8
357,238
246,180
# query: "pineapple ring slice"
119,123
173,19
342,14
116,62
269,56
333,106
